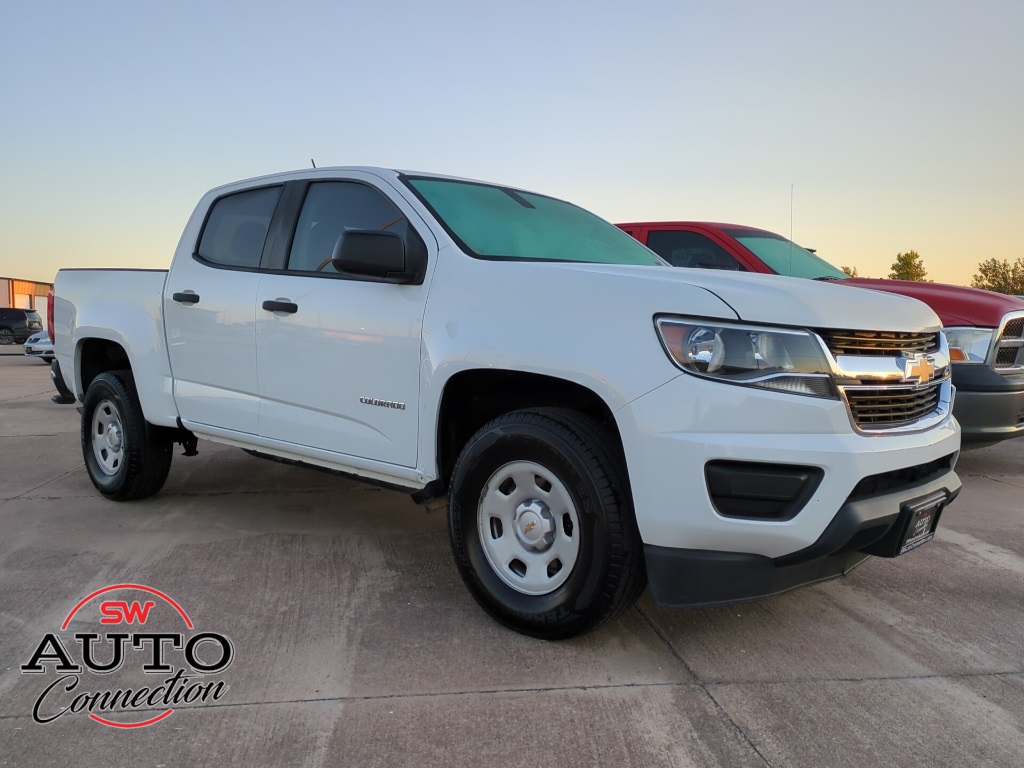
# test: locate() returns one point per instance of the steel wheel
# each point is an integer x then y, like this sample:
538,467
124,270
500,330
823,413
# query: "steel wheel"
541,523
126,458
107,437
6,336
529,527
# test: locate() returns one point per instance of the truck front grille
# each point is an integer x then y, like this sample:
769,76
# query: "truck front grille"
1007,357
1014,329
1010,346
878,343
892,406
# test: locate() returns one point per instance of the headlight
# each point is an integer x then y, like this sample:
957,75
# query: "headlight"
968,345
771,358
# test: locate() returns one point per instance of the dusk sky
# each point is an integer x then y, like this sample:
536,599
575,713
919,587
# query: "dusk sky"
897,125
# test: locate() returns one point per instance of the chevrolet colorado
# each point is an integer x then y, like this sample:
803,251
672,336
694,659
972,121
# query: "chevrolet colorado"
592,419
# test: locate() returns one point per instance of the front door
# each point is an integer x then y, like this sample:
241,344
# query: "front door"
338,356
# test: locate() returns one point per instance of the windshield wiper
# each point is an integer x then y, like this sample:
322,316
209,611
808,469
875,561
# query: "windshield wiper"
829,277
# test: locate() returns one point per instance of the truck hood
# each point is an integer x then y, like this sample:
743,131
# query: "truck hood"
954,304
776,299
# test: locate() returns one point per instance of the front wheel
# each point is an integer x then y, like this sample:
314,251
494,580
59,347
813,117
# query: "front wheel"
541,523
125,457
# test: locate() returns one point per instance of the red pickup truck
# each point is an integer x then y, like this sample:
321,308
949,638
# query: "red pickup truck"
985,330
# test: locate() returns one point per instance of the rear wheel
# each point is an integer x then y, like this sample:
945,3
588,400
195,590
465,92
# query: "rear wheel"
6,336
125,457
542,526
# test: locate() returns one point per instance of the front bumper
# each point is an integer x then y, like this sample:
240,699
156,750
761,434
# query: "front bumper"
700,554
44,353
987,417
989,405
681,578
672,433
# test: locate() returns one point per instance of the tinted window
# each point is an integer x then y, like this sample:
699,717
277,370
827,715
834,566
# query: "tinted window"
20,315
333,207
691,249
237,228
785,257
492,222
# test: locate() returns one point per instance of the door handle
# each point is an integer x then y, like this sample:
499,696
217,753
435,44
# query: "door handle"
188,297
287,307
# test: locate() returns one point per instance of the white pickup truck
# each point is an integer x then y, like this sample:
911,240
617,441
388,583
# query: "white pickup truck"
592,419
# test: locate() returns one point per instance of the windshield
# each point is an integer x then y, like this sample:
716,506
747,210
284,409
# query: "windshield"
785,257
491,222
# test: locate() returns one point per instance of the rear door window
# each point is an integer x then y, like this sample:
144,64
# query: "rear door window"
236,229
682,248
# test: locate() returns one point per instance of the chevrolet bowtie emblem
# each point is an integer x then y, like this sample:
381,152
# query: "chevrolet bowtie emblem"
918,368
529,527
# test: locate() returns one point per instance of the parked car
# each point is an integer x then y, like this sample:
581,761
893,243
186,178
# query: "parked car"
39,345
590,418
16,325
985,330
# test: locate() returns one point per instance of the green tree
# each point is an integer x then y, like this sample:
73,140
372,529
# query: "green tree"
1000,276
851,271
909,266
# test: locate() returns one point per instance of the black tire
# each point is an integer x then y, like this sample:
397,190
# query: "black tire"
6,336
565,474
126,458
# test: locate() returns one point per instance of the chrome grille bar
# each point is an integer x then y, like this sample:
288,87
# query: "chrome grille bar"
879,343
881,407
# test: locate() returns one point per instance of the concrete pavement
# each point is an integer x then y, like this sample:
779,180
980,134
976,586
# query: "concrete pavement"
357,645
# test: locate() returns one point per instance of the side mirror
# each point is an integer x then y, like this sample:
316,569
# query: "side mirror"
372,254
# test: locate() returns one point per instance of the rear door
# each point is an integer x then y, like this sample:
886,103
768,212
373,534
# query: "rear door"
210,315
339,365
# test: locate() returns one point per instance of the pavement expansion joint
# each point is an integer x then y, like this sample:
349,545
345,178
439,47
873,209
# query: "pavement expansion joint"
879,679
1004,481
399,697
559,689
24,397
47,482
702,686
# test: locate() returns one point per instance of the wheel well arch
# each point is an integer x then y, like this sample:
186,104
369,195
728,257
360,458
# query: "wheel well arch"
472,398
96,356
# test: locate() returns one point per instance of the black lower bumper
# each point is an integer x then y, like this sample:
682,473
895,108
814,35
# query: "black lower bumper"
989,405
64,395
988,417
690,578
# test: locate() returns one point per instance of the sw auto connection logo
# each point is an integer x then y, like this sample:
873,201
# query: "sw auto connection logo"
135,677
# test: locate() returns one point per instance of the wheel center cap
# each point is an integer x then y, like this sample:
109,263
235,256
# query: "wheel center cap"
114,437
535,525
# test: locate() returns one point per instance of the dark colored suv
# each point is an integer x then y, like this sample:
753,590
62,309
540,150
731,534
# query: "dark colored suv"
16,325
